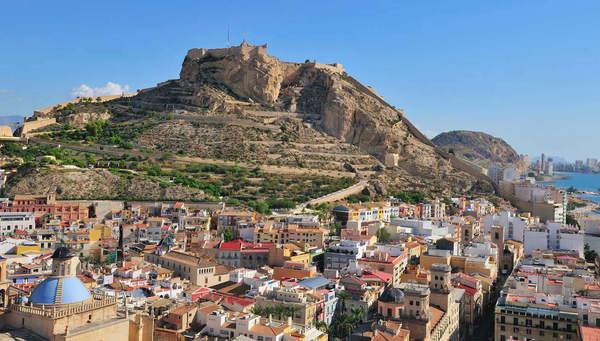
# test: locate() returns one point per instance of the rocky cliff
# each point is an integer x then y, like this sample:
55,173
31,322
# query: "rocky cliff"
344,108
480,148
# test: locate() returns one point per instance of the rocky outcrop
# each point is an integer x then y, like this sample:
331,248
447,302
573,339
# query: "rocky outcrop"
480,148
80,119
346,109
248,71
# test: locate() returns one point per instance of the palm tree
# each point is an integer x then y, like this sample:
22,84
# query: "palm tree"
258,310
358,313
322,326
280,310
344,326
268,311
291,310
343,296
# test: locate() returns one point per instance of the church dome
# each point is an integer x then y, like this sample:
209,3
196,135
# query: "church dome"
59,290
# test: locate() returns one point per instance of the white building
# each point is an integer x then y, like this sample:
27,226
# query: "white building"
340,256
553,236
482,250
513,225
12,221
425,228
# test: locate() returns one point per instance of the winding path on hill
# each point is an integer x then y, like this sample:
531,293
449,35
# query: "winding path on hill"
335,196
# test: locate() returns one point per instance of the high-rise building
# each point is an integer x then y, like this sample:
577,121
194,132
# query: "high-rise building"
549,167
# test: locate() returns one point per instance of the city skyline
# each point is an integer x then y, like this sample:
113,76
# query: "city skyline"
520,71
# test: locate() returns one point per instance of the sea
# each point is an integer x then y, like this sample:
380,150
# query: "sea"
582,182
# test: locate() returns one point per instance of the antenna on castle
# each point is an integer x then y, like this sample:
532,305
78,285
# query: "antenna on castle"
228,42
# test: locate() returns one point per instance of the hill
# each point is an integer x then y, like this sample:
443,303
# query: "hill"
288,122
480,148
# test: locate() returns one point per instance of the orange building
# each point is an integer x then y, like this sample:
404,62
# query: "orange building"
294,270
62,210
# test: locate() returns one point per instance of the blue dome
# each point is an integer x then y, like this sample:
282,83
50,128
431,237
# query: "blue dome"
59,290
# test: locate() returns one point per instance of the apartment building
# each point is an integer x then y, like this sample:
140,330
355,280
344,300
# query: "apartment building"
382,211
340,256
283,233
199,271
303,301
40,205
238,253
10,222
547,297
386,262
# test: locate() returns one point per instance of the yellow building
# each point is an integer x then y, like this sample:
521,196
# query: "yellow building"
290,233
21,249
279,254
100,232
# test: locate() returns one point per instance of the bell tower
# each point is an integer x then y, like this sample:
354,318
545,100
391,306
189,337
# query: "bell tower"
440,286
416,302
64,264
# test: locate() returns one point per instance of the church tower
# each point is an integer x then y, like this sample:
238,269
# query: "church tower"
440,285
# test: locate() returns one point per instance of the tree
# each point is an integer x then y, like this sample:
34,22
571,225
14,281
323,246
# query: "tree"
571,220
589,254
335,229
343,296
411,197
383,236
227,235
571,189
322,326
291,310
95,128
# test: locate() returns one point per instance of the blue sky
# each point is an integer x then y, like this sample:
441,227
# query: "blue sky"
527,71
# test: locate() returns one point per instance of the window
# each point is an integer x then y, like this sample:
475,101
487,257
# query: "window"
502,319
516,321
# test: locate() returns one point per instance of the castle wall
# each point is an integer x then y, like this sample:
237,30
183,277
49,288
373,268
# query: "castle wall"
5,131
37,124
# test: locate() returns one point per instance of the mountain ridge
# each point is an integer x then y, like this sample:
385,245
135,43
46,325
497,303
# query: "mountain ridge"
240,104
480,148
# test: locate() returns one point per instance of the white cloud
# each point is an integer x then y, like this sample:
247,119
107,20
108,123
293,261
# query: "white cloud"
5,91
109,89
